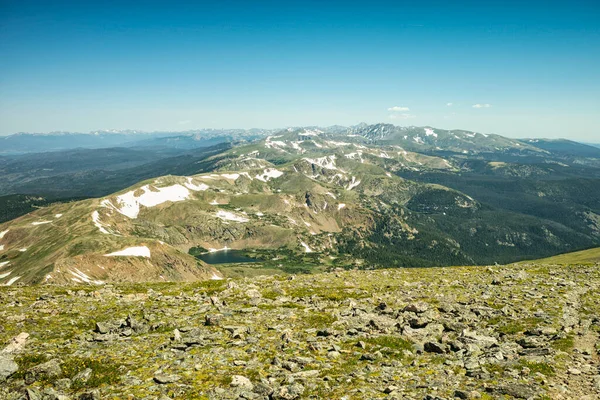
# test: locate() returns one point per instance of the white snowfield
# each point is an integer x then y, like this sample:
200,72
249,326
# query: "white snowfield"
430,132
327,162
268,174
129,204
138,251
229,216
354,183
341,205
337,144
216,277
58,215
311,132
306,248
12,280
296,146
197,188
40,222
212,250
355,156
96,220
275,144
4,263
233,177
1,247
3,233
81,277
5,274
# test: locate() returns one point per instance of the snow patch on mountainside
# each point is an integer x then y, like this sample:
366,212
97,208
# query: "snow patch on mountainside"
137,251
96,220
275,144
40,223
3,233
196,188
12,280
5,274
327,162
354,183
80,276
129,204
232,177
430,132
229,216
268,174
306,248
355,156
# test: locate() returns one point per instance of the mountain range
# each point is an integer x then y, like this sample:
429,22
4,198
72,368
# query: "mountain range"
298,199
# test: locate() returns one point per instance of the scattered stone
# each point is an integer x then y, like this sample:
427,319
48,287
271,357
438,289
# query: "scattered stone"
434,347
16,343
48,370
517,390
163,378
241,382
290,392
213,320
418,308
7,367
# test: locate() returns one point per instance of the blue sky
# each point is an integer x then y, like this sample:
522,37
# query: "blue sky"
532,67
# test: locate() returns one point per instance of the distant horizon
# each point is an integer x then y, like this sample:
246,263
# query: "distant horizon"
141,131
516,69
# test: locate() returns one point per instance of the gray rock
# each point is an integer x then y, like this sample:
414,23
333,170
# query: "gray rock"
263,389
7,367
63,384
482,341
461,394
103,327
290,392
306,374
434,347
83,376
213,320
90,395
241,382
419,307
33,394
520,391
368,357
165,378
529,342
48,370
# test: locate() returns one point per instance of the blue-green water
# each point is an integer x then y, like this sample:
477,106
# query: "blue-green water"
225,257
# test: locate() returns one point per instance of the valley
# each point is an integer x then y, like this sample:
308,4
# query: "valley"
308,200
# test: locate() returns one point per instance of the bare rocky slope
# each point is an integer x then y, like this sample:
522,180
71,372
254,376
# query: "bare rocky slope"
504,332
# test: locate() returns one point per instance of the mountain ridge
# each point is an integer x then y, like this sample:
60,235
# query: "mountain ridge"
305,196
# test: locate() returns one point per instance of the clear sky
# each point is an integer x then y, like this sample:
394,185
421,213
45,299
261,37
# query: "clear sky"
521,69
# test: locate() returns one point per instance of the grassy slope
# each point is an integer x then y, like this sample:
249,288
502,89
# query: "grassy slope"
577,257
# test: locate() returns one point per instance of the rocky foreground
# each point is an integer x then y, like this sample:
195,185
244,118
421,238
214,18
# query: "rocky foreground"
467,333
